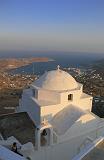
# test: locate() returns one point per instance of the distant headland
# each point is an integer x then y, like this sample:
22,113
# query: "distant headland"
13,63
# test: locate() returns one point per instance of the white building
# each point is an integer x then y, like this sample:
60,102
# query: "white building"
61,113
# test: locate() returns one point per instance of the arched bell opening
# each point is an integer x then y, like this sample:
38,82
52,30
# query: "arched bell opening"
45,137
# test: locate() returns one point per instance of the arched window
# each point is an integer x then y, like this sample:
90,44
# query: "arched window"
70,97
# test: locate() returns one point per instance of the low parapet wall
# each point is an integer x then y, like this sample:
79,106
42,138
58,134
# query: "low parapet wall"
90,147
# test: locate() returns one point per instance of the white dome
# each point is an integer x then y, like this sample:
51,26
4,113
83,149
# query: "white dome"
56,80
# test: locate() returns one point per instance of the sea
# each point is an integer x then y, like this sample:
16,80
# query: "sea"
64,60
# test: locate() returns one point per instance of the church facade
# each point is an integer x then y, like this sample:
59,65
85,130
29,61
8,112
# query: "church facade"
61,112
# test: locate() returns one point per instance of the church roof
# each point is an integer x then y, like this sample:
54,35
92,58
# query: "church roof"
64,119
56,80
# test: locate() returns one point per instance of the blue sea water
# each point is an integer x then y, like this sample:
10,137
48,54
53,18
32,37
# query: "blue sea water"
65,60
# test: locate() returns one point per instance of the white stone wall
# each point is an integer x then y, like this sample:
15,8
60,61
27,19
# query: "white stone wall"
47,95
31,107
51,110
84,103
76,96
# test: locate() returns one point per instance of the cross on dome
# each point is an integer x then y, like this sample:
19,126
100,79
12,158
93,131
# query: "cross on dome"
58,67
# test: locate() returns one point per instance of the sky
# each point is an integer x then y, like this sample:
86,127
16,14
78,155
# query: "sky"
52,25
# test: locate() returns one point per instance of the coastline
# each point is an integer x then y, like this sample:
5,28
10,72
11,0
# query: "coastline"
7,64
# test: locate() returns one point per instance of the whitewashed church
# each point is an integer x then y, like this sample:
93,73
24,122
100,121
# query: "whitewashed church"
57,120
